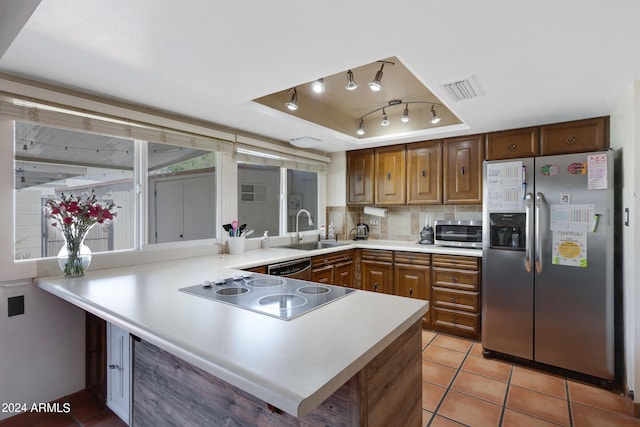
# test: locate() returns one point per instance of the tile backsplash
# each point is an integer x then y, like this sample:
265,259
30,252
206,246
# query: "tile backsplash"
402,223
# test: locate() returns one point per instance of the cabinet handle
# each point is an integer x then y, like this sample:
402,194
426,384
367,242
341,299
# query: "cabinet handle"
358,177
388,176
375,286
410,292
114,367
462,170
454,321
570,141
424,173
512,147
454,300
454,279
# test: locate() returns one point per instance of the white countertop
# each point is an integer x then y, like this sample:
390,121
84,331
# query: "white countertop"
294,365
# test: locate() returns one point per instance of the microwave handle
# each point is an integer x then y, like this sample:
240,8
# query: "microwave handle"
528,201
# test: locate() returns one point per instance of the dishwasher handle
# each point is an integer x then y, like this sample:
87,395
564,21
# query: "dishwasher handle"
290,268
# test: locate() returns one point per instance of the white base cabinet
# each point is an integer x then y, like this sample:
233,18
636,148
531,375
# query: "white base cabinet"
119,372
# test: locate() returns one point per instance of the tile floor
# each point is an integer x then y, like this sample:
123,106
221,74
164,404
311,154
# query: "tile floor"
462,388
459,388
86,411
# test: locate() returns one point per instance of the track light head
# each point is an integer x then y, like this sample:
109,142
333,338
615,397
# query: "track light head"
360,130
434,117
351,83
385,119
318,86
405,114
293,103
375,85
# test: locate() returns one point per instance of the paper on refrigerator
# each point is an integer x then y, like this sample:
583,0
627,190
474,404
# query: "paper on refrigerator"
506,184
570,248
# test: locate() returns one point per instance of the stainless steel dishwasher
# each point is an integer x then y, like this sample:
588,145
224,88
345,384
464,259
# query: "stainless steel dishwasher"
296,269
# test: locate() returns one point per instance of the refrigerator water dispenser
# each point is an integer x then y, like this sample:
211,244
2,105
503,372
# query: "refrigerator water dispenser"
507,231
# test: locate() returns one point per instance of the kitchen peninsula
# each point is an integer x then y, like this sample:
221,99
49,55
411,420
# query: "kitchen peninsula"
355,361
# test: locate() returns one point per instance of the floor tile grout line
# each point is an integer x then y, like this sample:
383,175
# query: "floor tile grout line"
444,395
566,386
506,395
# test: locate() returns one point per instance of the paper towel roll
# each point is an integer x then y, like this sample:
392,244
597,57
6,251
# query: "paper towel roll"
370,210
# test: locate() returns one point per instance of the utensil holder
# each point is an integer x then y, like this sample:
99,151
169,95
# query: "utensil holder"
236,245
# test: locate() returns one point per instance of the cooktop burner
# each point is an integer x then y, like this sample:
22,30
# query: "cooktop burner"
280,297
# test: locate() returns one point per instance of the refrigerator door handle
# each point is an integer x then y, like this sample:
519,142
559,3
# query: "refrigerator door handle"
528,201
540,202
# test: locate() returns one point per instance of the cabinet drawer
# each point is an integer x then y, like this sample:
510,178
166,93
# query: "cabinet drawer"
457,279
456,321
377,255
332,258
455,261
513,144
455,299
574,137
412,258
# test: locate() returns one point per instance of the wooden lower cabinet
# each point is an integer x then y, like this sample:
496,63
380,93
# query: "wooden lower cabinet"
333,268
96,356
412,277
377,276
455,295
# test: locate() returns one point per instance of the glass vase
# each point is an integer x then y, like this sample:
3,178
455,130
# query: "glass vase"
74,256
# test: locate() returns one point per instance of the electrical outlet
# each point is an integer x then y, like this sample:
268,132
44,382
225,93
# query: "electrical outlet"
15,305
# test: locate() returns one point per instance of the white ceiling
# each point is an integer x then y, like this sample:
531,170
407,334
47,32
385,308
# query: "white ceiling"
536,62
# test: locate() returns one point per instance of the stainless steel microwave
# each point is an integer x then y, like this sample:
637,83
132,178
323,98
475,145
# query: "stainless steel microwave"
458,233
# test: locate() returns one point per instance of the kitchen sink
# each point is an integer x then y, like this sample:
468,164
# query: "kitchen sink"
316,245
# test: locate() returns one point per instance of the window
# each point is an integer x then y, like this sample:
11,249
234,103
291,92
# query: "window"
259,198
302,193
49,161
259,189
182,202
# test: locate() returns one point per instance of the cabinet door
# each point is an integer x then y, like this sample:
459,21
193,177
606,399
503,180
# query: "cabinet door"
463,170
412,281
324,274
119,374
513,144
96,360
424,173
390,176
360,177
343,274
574,137
377,276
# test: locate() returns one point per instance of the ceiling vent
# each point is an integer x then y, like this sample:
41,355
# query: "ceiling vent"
462,89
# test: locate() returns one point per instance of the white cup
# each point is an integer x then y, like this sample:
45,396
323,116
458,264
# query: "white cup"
236,245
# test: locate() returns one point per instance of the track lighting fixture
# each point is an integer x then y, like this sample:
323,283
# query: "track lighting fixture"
292,104
385,119
405,114
376,84
434,117
318,86
351,83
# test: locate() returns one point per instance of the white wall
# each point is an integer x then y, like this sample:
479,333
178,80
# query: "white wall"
625,136
42,355
336,180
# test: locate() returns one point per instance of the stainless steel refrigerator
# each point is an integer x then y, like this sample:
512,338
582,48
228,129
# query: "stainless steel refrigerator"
547,266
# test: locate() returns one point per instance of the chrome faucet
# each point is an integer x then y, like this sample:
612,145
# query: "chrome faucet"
297,237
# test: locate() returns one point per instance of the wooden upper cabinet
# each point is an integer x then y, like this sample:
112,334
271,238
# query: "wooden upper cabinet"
390,175
513,144
360,177
424,173
462,159
574,137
